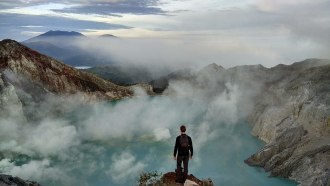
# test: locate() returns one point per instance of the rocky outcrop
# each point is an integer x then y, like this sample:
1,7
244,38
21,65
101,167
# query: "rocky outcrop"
292,114
6,180
168,179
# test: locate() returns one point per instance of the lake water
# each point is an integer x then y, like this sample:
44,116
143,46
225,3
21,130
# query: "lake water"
112,144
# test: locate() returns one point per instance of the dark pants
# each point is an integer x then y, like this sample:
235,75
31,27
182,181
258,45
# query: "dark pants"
185,160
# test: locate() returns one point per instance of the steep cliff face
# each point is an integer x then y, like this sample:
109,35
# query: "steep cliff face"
292,114
37,73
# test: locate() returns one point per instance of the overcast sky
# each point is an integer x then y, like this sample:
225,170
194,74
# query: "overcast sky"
267,32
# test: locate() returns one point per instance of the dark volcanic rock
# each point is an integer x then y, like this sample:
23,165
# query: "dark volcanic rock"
7,180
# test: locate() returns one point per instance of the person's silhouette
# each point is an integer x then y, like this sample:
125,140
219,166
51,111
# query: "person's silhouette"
183,151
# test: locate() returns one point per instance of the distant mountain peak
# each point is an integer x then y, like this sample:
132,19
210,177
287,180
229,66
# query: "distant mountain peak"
107,36
53,33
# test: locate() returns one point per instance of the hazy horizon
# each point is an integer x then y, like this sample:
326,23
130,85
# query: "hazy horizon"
186,33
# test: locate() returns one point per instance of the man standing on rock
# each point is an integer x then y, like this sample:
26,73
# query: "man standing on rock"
183,145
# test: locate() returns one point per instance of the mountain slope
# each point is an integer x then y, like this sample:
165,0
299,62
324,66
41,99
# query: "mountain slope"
20,64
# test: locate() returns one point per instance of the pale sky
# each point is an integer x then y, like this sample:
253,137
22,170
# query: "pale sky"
269,31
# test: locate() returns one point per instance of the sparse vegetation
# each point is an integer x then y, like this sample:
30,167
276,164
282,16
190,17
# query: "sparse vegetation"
150,179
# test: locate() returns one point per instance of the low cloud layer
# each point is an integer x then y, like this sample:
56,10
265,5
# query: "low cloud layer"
197,51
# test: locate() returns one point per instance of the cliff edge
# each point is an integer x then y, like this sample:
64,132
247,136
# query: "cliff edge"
292,114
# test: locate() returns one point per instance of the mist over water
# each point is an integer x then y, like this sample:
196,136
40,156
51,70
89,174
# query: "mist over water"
111,143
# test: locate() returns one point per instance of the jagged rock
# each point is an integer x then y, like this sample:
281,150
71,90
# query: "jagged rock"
7,180
278,150
292,115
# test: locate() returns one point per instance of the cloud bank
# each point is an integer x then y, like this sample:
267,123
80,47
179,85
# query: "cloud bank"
226,32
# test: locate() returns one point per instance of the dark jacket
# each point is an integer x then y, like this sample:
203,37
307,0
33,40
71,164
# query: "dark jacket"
183,152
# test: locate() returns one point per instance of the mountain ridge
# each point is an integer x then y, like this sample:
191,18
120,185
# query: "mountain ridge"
53,74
